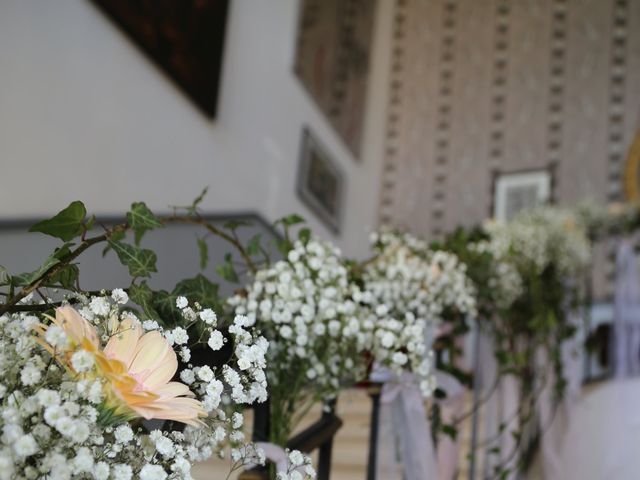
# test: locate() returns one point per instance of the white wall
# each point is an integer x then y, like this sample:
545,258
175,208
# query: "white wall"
85,115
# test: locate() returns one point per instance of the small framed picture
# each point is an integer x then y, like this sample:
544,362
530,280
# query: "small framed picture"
320,181
513,192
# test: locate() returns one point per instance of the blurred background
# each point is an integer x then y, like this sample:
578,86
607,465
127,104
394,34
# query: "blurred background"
419,114
406,112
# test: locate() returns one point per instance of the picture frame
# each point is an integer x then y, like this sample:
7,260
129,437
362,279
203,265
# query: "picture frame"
320,181
184,38
332,62
520,190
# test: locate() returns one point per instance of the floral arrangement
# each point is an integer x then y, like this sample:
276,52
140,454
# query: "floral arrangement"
600,221
78,391
308,309
413,289
502,275
540,237
113,384
527,276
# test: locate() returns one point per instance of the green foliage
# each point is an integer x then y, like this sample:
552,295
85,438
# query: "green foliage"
197,289
66,277
285,244
304,235
140,262
253,246
66,224
227,271
143,296
115,237
165,304
192,210
50,262
233,225
450,431
199,199
203,251
290,220
141,220
88,225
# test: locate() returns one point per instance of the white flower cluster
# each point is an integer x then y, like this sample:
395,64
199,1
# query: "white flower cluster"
245,381
412,290
603,220
304,306
57,424
540,237
298,467
504,279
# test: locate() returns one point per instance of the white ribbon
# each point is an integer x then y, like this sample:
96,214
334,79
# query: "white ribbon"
498,410
405,449
450,408
277,455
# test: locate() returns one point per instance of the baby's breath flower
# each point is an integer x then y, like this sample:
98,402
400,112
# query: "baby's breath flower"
82,361
119,296
181,302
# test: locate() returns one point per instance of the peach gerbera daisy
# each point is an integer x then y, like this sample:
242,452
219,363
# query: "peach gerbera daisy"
137,368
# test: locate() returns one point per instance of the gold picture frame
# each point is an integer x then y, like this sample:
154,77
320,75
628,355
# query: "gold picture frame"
632,172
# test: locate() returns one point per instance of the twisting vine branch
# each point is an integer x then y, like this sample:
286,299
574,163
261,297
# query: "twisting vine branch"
64,261
232,239
44,279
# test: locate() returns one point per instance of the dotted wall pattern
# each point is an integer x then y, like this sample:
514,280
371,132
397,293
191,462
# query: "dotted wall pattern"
617,68
485,86
498,96
392,137
444,114
557,73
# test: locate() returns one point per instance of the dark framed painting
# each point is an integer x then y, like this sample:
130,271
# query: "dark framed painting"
521,190
185,38
332,61
320,181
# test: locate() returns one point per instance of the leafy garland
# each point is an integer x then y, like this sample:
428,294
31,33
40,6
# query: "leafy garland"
59,275
529,278
521,299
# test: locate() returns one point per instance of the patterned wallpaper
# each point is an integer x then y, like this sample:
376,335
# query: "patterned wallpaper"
482,86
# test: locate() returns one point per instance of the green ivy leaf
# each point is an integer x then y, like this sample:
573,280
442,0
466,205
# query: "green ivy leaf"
52,260
198,289
141,219
253,247
88,225
66,224
142,295
140,261
116,237
439,393
451,431
203,249
290,220
67,276
304,235
199,198
227,270
284,246
235,224
165,304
